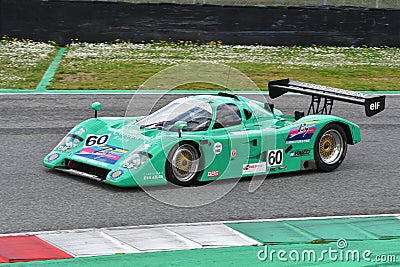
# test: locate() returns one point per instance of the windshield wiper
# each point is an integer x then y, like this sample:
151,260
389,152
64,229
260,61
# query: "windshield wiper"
159,123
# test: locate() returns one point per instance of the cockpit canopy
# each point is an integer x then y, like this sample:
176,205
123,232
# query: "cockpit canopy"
200,112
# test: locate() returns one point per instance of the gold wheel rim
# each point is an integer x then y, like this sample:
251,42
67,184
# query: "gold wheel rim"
327,146
331,147
183,162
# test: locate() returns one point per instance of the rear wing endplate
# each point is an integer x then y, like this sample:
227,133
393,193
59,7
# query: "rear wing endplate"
323,96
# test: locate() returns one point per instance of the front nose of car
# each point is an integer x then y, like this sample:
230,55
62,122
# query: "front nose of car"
121,177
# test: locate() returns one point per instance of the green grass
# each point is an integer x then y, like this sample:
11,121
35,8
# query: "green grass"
127,66
104,76
23,63
131,76
360,78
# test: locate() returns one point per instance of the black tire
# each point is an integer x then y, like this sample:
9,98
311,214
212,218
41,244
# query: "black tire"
182,166
330,147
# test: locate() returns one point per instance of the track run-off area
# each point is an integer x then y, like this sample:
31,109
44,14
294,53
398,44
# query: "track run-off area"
34,198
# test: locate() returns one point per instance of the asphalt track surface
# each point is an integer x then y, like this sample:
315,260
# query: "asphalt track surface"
34,198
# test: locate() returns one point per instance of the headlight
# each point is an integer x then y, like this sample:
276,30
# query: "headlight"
136,160
70,141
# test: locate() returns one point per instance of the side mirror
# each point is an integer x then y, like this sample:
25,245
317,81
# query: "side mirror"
180,125
269,106
96,106
298,115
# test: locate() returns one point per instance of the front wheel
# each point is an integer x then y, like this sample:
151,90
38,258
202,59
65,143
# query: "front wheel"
330,147
182,164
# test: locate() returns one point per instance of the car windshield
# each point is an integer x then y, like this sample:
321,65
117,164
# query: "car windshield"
196,113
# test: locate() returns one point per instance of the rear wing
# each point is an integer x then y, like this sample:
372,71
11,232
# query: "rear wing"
323,96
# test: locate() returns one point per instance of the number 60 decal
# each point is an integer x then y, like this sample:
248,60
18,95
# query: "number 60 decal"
92,140
275,157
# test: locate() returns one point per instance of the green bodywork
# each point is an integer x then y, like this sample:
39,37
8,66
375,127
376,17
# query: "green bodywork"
260,145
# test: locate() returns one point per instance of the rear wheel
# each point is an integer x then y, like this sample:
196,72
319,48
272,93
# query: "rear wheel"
330,147
182,164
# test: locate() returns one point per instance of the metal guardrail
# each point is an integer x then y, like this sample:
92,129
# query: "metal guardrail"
355,3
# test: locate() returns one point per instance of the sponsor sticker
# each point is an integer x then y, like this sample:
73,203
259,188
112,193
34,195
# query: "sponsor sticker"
81,131
102,153
301,132
126,134
374,106
116,174
128,165
212,174
331,89
253,168
217,148
153,176
233,153
53,157
63,148
300,153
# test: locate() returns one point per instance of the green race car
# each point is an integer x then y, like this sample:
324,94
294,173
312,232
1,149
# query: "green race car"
209,137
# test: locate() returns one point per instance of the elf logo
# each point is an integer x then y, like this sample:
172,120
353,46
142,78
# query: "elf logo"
375,106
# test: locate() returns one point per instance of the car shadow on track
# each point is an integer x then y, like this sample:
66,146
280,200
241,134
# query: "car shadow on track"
170,186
